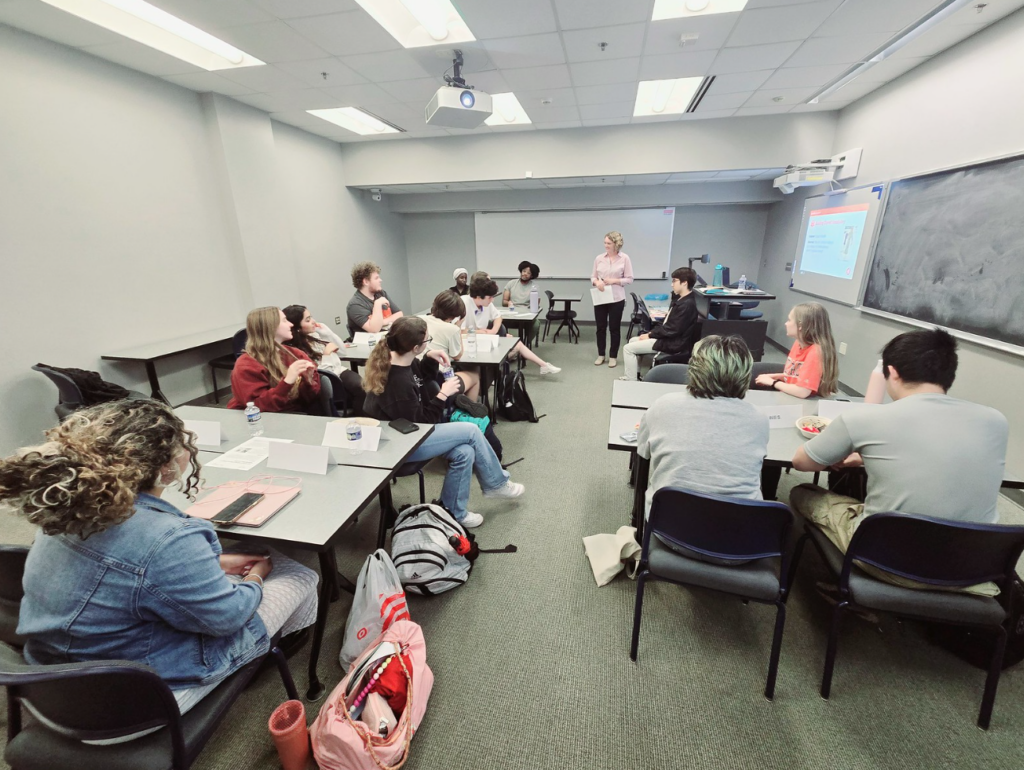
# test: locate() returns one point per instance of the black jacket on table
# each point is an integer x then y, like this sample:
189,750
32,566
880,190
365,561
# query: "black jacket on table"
679,330
411,393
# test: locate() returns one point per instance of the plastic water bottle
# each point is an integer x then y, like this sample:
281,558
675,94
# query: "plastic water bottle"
252,419
717,280
447,372
471,342
534,298
742,285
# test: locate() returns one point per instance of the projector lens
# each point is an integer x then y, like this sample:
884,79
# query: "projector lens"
467,99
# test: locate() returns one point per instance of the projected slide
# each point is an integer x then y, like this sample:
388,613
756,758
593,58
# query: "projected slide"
833,241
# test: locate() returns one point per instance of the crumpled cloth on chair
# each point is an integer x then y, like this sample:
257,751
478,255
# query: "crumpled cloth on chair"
607,553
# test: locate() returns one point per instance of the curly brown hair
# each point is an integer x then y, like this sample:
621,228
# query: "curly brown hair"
361,271
86,477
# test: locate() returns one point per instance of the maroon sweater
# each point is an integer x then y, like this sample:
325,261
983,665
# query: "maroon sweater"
250,381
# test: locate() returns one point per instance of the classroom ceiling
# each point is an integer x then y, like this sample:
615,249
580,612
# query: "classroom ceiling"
767,59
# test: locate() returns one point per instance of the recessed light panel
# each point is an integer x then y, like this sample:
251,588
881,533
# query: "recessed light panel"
679,9
507,111
665,97
149,25
419,23
355,120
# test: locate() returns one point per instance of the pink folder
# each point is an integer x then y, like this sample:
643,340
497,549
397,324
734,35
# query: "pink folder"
213,503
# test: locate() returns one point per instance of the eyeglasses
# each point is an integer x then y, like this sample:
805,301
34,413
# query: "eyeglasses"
427,340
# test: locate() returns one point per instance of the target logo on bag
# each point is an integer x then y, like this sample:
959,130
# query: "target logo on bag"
361,634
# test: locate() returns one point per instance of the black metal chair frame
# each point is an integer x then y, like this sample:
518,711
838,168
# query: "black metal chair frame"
747,530
555,315
69,396
939,552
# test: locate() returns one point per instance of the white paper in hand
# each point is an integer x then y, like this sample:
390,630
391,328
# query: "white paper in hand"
602,297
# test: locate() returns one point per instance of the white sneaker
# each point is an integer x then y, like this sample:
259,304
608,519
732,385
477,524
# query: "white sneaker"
472,520
550,369
599,361
627,378
507,490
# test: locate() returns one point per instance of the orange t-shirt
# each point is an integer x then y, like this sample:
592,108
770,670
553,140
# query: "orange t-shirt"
803,367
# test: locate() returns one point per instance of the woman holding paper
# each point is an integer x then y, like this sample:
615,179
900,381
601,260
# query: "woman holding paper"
117,573
612,271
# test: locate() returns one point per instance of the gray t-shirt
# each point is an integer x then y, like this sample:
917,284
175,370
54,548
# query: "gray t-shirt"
519,291
360,308
928,454
710,445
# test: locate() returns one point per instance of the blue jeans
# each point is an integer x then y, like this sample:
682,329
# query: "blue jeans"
466,450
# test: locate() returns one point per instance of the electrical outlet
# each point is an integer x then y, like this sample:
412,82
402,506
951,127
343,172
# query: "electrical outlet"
842,348
789,267
337,320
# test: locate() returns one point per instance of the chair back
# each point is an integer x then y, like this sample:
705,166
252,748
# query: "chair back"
936,551
675,373
324,405
551,299
12,568
724,527
636,307
752,332
238,342
763,367
68,392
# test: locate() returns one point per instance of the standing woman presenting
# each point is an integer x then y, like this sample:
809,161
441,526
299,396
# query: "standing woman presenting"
612,272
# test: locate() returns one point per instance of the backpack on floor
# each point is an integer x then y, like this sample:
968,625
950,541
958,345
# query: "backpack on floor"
513,401
426,561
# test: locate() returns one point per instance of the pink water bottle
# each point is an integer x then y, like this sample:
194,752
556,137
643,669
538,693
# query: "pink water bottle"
875,393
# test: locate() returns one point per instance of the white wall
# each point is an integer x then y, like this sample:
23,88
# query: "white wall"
964,105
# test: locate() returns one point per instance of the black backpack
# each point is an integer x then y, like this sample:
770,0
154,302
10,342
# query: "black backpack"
513,401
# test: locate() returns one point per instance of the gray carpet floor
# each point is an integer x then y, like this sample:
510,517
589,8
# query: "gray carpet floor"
531,657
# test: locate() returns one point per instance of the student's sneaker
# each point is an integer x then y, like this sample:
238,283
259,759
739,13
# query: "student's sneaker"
599,361
627,378
472,520
470,407
507,490
550,369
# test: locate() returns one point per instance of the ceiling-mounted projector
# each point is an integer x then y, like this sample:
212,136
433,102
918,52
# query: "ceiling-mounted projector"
802,177
457,104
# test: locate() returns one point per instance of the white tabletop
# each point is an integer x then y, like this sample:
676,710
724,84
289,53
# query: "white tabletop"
392,451
491,356
640,395
567,298
325,504
358,353
517,314
154,350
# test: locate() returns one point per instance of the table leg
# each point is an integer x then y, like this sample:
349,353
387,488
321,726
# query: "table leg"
327,569
387,510
485,393
154,383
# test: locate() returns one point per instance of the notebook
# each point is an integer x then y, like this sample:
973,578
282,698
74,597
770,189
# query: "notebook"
275,499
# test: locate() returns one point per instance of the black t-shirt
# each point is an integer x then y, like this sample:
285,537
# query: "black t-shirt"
461,291
360,308
411,392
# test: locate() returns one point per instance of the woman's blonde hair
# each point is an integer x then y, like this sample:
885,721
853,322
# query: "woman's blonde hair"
616,238
260,326
405,334
814,328
720,368
86,477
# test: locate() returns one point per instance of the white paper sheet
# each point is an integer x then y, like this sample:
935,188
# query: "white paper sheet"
782,416
335,435
304,458
207,431
248,455
602,297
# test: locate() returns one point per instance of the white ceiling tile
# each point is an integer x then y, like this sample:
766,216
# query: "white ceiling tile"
776,25
54,24
437,60
598,111
345,34
677,65
553,113
935,40
752,4
654,118
418,90
569,181
263,79
530,51
143,58
851,92
606,122
790,96
775,110
617,92
311,72
992,12
713,102
484,186
804,77
866,16
387,66
623,41
300,119
204,82
531,78
560,97
646,179
819,51
491,82
691,176
708,114
272,42
360,95
404,115
739,81
210,16
752,57
506,129
821,107
488,19
581,14
284,101
293,9
890,69
712,32
599,73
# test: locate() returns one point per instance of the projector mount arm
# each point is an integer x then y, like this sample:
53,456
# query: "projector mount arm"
456,80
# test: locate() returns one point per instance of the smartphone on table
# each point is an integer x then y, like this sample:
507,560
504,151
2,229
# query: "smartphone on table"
234,510
402,425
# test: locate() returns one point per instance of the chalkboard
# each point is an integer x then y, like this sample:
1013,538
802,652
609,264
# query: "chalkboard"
951,251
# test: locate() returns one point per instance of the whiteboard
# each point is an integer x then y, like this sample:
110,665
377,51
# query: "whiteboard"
836,235
949,252
564,243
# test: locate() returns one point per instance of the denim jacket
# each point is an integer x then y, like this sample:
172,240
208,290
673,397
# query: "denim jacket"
149,590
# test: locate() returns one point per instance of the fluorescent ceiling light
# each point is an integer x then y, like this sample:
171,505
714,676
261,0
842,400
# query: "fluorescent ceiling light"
355,120
665,97
147,24
507,111
679,9
892,46
418,23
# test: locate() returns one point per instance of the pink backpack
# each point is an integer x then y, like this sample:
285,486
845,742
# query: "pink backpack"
342,743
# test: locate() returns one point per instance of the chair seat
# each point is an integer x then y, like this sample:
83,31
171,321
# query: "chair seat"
878,595
411,469
559,315
750,315
223,362
758,579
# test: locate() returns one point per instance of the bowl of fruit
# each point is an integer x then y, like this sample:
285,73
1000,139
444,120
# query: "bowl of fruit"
811,425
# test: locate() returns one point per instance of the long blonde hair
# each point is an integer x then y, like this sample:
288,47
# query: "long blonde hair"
405,334
814,328
260,326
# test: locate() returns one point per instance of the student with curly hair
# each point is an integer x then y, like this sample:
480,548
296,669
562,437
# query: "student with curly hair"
117,573
321,344
370,309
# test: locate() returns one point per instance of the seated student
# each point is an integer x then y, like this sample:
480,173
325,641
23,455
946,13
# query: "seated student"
482,315
370,309
321,344
116,573
925,453
681,454
517,291
461,277
399,385
675,335
443,328
275,378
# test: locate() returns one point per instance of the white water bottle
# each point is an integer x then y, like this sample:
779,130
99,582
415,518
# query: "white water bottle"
471,342
742,285
534,298
252,418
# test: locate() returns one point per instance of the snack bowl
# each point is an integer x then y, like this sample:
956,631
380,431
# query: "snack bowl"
811,425
369,422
